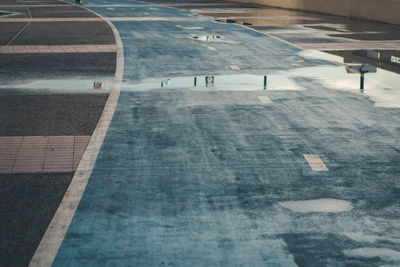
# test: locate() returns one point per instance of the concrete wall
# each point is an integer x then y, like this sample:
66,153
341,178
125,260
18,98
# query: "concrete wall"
378,10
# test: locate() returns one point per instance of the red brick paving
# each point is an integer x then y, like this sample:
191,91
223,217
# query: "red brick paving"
38,154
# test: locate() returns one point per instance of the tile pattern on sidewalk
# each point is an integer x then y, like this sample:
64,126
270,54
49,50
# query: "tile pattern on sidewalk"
49,19
39,154
63,49
34,5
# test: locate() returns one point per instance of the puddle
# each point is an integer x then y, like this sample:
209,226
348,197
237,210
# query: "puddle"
382,87
94,85
326,205
212,38
382,253
242,82
364,238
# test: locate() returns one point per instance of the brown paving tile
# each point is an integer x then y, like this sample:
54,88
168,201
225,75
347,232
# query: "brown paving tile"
29,161
65,148
29,151
11,139
36,138
6,50
79,150
44,49
7,158
82,138
9,150
41,153
59,151
58,166
69,49
80,48
31,49
19,49
59,161
61,137
91,48
81,144
5,170
25,168
56,49
8,163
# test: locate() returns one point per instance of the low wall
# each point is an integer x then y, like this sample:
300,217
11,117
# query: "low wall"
378,10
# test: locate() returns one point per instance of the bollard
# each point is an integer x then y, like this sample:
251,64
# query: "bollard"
362,81
265,82
195,81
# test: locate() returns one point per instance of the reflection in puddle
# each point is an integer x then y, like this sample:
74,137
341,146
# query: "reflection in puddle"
63,85
380,85
212,38
189,28
242,82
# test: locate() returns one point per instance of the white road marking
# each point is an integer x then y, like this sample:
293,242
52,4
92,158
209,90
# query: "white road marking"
234,67
315,163
55,233
265,99
317,205
211,48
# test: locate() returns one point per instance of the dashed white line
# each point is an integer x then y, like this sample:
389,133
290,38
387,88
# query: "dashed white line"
265,99
234,67
315,163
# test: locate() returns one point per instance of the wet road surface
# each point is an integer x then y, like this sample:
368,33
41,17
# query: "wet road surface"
198,170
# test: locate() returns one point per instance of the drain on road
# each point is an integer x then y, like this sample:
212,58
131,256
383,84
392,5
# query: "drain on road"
207,38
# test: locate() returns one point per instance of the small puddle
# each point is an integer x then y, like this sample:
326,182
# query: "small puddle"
212,38
75,85
380,85
385,254
241,82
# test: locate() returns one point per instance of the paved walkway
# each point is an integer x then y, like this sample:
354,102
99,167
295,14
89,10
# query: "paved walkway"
210,175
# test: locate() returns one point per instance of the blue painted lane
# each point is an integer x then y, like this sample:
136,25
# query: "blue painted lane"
195,176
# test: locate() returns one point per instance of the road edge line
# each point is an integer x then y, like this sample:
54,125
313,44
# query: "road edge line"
52,239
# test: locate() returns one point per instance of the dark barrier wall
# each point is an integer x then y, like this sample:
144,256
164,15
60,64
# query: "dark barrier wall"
378,10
